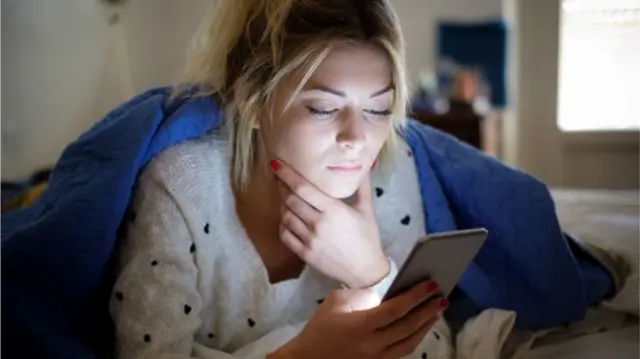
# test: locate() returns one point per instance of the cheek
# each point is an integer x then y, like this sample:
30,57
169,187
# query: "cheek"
297,140
378,134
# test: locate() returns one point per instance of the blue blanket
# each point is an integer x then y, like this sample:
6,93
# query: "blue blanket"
56,254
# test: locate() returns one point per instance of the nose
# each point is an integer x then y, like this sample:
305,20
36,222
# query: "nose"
351,132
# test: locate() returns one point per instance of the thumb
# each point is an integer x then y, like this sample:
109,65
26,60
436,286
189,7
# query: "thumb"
363,201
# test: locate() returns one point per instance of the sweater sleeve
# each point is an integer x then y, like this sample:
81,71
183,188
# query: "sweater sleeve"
381,287
155,302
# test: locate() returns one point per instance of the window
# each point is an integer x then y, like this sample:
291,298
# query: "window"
599,73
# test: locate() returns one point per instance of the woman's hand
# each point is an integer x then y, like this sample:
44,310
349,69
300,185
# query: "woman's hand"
342,241
349,325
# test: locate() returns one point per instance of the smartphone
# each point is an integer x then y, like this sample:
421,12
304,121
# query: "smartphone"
441,257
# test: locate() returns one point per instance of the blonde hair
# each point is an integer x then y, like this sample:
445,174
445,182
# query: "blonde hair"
250,46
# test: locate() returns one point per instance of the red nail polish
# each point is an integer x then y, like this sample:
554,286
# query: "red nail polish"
432,287
274,164
444,303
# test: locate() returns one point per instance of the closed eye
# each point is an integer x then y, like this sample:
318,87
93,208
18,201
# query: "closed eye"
321,112
379,113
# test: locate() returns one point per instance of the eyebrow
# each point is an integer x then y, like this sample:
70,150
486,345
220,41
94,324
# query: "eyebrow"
343,94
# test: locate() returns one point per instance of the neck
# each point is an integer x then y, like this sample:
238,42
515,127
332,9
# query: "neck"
258,208
258,204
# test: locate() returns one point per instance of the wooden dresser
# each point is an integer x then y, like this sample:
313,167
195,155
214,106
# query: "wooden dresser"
460,121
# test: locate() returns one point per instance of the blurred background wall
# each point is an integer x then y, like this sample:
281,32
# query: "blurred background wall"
67,62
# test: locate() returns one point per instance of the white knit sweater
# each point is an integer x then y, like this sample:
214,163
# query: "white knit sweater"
190,282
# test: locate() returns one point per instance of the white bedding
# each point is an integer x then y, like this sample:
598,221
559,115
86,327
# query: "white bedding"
610,220
614,344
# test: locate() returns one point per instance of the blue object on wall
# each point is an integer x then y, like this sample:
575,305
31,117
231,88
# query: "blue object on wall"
479,44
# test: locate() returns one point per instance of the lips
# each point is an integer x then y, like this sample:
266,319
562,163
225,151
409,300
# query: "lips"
345,167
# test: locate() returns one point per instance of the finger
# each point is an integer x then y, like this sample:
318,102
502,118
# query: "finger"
301,187
296,226
410,324
396,308
292,242
297,205
363,202
409,344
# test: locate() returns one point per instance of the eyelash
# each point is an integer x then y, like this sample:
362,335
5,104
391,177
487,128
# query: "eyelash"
383,113
317,112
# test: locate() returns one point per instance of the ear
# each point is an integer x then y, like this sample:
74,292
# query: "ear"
257,122
263,115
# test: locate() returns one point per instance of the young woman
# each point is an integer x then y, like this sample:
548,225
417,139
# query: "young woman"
272,227
272,219
249,229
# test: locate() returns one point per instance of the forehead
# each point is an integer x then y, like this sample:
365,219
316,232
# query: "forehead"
353,67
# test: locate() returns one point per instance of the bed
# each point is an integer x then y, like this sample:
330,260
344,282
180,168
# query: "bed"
613,344
611,220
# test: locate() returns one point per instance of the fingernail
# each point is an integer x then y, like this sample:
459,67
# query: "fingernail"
374,163
432,287
275,164
444,303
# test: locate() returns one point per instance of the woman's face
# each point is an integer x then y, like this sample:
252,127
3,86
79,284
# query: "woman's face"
334,128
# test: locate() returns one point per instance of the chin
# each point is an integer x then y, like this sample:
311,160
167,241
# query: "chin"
340,190
341,194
